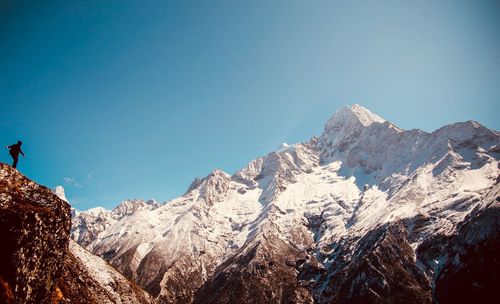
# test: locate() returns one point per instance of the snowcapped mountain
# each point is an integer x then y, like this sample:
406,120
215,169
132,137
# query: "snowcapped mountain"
59,192
366,212
87,225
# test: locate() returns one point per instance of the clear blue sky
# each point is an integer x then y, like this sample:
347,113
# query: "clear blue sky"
133,99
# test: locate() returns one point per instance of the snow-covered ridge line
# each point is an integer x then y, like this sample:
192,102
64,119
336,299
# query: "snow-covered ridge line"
314,204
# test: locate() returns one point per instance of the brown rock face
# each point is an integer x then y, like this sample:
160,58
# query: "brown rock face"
34,233
77,286
37,265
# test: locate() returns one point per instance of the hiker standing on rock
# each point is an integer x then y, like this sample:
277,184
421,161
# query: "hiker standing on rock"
14,151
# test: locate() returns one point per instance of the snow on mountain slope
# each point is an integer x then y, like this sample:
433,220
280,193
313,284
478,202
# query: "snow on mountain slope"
87,225
59,191
89,279
304,213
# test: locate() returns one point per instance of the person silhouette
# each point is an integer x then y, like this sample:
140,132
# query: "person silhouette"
14,151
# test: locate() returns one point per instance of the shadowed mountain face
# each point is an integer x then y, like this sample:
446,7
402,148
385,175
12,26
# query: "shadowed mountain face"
382,269
37,265
262,273
365,213
470,271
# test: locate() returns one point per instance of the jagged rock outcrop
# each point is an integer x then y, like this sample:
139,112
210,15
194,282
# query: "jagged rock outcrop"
37,265
211,188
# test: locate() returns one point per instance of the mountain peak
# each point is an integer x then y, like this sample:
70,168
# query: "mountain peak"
59,191
216,178
365,116
218,172
353,114
344,128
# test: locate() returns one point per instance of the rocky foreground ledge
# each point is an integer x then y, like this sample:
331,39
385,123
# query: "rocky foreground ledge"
34,233
38,265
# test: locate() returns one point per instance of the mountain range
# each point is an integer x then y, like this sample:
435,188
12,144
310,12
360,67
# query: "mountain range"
364,213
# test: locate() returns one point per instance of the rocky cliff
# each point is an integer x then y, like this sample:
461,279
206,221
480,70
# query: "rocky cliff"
39,265
34,233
